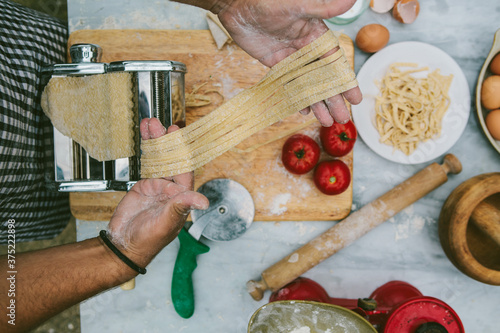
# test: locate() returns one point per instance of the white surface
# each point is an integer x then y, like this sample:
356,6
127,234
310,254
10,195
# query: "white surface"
404,248
425,55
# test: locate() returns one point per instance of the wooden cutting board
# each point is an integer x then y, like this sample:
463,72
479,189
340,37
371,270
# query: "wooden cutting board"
277,194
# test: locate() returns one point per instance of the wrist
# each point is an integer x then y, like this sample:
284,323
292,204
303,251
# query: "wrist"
122,270
215,6
118,240
220,5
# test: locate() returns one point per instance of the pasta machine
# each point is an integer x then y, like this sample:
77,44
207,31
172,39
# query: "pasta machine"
158,91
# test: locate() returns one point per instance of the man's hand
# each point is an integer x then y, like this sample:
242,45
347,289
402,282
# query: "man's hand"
146,220
272,30
152,213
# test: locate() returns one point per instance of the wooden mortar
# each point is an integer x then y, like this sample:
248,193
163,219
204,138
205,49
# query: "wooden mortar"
469,227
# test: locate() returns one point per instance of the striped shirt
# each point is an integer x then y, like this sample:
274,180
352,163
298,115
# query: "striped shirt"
28,41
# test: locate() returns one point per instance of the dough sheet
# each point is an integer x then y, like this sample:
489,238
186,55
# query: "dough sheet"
96,111
292,85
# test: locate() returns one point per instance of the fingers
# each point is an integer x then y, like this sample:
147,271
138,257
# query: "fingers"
305,111
172,128
353,96
184,202
151,128
335,108
322,114
338,109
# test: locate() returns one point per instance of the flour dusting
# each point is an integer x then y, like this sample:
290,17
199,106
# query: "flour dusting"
409,224
260,196
293,258
300,184
304,229
228,86
278,205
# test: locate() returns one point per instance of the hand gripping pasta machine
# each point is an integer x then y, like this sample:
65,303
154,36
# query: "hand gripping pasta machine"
158,91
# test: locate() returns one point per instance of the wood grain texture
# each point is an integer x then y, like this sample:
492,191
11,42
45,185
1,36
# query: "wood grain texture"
468,227
486,217
278,195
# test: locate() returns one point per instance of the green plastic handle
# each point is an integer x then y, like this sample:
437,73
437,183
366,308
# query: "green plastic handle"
182,281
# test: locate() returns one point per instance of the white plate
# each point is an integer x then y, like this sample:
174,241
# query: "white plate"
454,121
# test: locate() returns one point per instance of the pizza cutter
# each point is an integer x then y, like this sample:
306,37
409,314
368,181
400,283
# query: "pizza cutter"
230,213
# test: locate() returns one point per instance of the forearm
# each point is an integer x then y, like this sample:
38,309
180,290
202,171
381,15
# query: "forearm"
51,280
215,6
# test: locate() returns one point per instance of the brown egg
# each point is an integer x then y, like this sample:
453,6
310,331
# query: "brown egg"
372,38
490,92
495,65
493,123
406,11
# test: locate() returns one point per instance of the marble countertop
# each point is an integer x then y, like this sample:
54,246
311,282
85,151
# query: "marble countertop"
404,248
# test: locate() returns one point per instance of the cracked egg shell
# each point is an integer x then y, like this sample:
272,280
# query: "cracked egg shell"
372,38
382,6
406,11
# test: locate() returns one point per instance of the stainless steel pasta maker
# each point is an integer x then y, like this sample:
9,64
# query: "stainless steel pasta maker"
158,90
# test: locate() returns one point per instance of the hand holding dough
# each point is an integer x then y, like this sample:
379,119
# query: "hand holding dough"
296,82
270,31
100,116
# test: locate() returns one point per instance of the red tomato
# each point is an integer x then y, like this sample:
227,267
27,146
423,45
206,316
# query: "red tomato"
300,154
338,139
332,177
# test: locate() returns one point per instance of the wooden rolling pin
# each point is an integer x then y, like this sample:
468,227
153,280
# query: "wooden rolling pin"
353,227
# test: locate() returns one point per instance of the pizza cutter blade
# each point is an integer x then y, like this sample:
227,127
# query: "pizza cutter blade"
229,215
230,212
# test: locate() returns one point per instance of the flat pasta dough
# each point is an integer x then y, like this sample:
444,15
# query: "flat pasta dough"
293,84
96,111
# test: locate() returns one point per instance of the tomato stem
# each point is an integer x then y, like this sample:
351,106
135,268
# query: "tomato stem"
300,153
344,137
333,179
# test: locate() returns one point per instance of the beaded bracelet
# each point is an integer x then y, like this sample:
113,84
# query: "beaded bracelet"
120,255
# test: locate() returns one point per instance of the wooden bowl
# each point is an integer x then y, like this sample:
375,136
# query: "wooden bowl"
484,74
469,227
